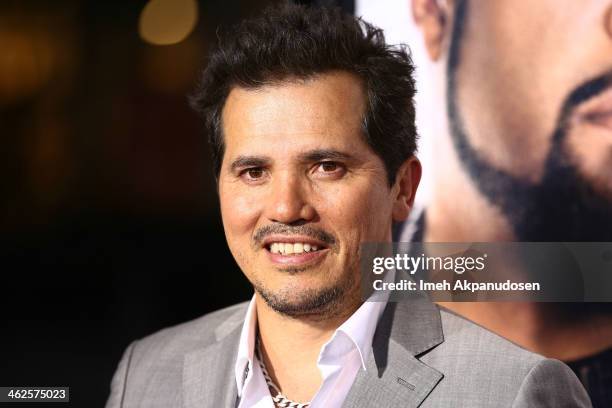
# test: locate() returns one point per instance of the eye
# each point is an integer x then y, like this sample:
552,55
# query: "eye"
253,174
330,168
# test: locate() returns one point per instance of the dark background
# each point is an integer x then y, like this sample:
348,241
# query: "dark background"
109,221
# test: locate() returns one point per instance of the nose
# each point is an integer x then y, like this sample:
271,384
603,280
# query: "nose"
289,201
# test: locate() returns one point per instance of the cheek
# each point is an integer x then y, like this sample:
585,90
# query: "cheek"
359,213
239,212
379,216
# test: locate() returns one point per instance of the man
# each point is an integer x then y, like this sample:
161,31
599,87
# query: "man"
525,141
311,120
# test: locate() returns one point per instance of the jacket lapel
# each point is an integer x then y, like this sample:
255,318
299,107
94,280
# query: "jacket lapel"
208,374
394,375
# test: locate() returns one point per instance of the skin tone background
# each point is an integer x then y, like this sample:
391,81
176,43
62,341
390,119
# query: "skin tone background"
530,117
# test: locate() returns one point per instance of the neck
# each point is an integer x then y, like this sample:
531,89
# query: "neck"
291,346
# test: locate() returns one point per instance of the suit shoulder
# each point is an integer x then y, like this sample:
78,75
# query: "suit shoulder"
197,333
466,336
483,369
552,382
150,368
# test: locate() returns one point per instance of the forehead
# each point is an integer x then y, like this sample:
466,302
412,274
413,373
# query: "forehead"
324,111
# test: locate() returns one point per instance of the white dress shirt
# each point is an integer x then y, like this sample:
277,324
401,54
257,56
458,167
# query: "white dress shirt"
339,361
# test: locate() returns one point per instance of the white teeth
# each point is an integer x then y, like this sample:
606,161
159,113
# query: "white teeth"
285,248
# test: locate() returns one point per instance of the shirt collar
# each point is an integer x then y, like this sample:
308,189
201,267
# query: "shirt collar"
246,346
359,328
361,325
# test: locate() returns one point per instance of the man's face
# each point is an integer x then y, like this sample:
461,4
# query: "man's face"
300,190
530,109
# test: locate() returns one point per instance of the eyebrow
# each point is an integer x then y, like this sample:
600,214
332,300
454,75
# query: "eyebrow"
249,161
310,156
324,154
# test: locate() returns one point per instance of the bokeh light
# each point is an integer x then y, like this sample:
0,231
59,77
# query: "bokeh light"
166,22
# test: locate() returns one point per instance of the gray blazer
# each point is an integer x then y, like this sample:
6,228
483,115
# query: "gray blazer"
423,356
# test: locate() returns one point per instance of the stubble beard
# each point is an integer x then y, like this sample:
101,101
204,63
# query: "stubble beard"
314,303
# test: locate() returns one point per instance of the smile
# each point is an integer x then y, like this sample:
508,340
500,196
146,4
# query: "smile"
287,248
295,250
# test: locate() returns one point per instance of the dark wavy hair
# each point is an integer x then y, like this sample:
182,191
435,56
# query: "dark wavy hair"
294,41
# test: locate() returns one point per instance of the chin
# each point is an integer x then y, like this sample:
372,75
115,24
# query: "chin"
297,299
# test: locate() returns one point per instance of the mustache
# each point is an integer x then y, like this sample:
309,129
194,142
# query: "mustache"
315,233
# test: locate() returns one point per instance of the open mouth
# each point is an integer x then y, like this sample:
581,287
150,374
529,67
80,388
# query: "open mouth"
292,248
295,250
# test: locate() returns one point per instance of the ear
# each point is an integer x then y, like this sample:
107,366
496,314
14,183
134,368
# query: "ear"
432,17
405,187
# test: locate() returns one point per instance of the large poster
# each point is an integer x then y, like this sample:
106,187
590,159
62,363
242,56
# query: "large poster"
515,119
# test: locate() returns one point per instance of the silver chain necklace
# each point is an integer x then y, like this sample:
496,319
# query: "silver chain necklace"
279,400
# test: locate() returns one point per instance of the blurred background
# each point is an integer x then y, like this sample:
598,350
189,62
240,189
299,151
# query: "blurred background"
109,220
